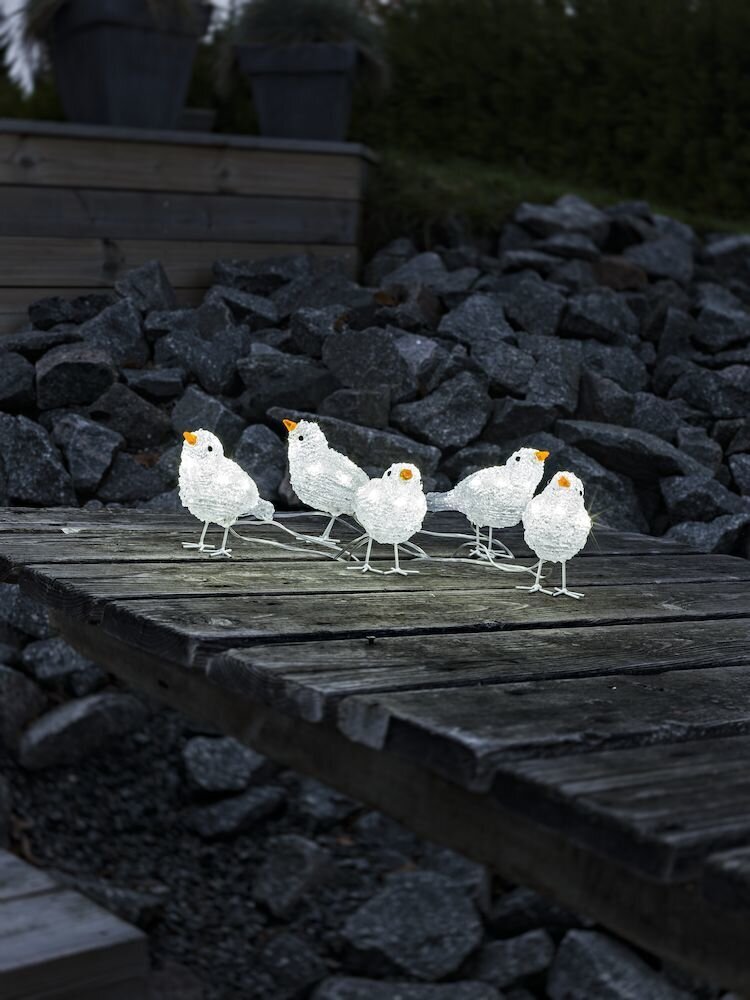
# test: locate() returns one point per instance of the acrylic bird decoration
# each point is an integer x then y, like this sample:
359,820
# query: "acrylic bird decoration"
215,489
556,526
495,497
322,478
391,509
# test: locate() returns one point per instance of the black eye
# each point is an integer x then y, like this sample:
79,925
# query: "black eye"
210,448
581,492
518,458
301,437
389,473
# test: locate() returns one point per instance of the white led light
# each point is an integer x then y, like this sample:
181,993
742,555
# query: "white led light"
556,525
391,509
495,497
216,490
322,478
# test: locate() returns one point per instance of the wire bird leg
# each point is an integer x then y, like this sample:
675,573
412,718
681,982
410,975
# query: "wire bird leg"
223,551
201,545
537,584
564,589
396,568
366,567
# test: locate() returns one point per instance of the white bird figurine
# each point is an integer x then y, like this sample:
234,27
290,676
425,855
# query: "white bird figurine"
216,490
322,478
495,497
391,509
556,525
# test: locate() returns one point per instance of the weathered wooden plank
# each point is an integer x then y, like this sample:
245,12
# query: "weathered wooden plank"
17,879
465,734
309,680
660,809
221,168
60,943
674,921
191,630
81,588
164,215
30,260
726,878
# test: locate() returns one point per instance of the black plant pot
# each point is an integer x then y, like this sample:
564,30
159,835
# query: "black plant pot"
116,65
301,91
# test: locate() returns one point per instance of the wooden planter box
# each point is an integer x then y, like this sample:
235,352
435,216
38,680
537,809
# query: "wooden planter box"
82,204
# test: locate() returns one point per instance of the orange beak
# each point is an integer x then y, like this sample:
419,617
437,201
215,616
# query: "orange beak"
541,455
563,481
406,474
289,424
190,437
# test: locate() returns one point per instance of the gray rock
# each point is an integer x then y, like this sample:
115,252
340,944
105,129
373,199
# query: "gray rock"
473,878
235,815
575,246
533,305
350,988
376,829
142,907
31,470
253,311
424,269
276,379
427,362
120,409
366,359
619,273
49,312
740,469
156,383
719,535
387,259
697,498
310,327
502,963
694,441
263,456
326,283
476,456
292,867
261,277
5,812
666,257
739,437
196,409
221,765
522,909
676,336
602,315
610,496
369,407
320,806
129,480
407,307
56,665
366,446
420,923
513,418
711,392
294,966
32,344
508,368
632,452
22,613
16,383
75,729
621,364
118,332
478,318
450,417
208,347
569,214
589,964
720,327
604,400
20,702
574,275
148,287
89,450
543,264
556,377
174,981
71,375
655,416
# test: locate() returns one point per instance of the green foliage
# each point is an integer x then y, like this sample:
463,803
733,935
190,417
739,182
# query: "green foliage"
645,97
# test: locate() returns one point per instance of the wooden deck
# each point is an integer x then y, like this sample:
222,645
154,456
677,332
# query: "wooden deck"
81,204
597,750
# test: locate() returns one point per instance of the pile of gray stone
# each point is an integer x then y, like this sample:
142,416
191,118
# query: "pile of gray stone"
616,339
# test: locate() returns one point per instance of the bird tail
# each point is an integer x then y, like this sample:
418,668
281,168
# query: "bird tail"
263,510
440,501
